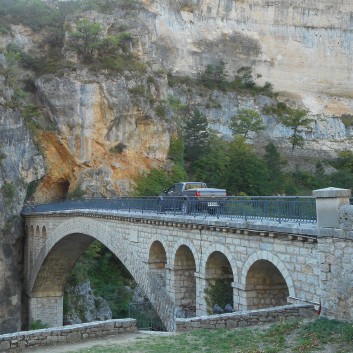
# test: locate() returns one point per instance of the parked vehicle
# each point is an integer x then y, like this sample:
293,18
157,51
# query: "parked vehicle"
191,196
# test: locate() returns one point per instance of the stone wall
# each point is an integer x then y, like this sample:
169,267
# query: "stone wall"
29,339
335,246
243,319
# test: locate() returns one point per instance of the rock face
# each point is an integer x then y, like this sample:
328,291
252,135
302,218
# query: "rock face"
303,47
93,115
20,163
82,306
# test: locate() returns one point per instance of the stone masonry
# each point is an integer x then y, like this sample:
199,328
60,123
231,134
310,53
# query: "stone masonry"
14,342
174,258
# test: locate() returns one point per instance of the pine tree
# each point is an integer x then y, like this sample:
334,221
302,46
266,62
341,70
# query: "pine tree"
196,135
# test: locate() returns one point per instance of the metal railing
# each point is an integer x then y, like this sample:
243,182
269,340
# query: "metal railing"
272,208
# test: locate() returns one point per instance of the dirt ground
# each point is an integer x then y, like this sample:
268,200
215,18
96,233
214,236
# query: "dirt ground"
122,339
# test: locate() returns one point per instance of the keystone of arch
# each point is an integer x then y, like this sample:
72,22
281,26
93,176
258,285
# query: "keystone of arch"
265,255
191,246
222,249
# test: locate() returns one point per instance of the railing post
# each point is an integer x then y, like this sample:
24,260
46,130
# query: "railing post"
328,202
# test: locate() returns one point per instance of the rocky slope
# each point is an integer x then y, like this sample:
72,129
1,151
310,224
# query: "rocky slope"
99,130
82,305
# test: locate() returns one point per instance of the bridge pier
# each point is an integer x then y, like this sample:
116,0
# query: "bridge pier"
239,297
48,310
200,295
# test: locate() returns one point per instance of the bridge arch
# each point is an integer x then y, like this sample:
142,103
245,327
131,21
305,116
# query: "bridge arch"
49,272
266,281
44,233
157,260
191,246
225,251
218,269
185,282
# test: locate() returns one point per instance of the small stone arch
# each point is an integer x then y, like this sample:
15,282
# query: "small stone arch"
31,245
219,278
157,260
222,249
191,246
37,239
266,281
185,282
44,233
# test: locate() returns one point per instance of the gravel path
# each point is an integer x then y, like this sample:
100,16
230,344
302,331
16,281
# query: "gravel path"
122,339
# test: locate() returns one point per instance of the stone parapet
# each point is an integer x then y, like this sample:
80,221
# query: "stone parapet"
248,318
19,341
328,203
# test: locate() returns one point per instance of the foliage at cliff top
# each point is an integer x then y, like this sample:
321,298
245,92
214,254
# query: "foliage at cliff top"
216,77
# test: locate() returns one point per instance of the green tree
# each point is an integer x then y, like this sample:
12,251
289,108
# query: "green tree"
343,161
246,173
212,166
196,135
342,179
176,150
214,76
274,164
245,121
245,77
112,44
297,120
85,39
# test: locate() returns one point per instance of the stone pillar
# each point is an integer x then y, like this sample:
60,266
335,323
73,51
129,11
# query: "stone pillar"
328,202
49,310
201,307
239,297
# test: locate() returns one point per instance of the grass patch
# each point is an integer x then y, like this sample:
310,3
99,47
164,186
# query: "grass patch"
289,336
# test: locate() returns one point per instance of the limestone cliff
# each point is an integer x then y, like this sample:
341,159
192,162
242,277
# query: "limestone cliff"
96,130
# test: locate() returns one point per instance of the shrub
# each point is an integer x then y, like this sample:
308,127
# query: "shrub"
31,189
138,90
38,325
119,148
161,111
8,190
219,292
77,193
152,183
347,120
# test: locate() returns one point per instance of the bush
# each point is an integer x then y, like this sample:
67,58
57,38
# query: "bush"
37,325
347,120
8,190
31,189
219,292
77,193
152,183
119,148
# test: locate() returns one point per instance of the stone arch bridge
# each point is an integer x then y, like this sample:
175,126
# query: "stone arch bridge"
175,258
